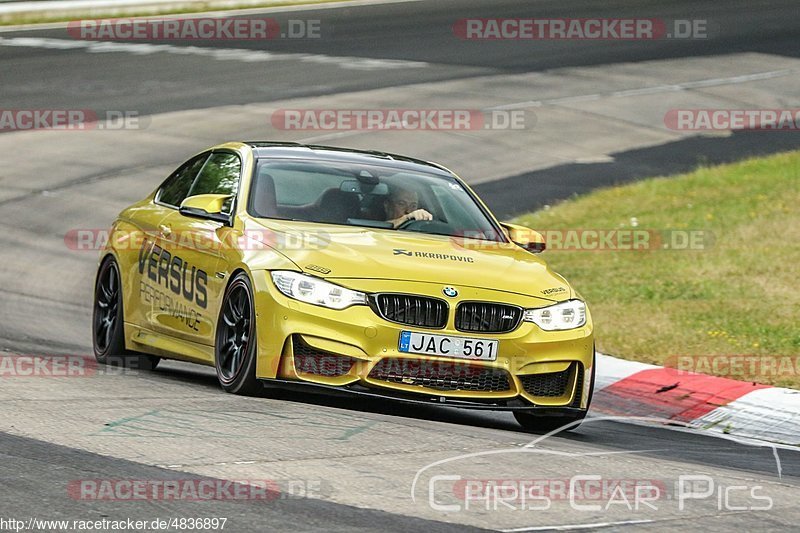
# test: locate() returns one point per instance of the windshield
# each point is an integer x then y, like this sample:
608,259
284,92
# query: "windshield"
367,195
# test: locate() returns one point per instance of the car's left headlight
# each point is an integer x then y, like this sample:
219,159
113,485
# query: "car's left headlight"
561,316
316,291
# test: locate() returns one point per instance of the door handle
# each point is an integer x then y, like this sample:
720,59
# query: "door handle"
166,231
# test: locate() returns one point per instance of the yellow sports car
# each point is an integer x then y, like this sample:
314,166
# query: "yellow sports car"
358,271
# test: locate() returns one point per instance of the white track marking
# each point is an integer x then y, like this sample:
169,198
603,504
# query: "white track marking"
771,414
643,91
330,136
223,54
612,369
573,527
232,8
221,11
657,89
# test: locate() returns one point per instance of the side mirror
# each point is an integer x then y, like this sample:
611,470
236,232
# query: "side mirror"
206,206
526,238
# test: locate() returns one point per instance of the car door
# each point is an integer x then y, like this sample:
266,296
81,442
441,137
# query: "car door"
140,268
198,268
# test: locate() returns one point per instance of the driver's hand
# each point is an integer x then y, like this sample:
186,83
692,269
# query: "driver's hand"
419,214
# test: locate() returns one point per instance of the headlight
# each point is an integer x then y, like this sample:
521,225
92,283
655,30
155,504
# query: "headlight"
565,315
316,291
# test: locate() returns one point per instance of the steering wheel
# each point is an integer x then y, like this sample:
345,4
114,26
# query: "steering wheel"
423,226
405,224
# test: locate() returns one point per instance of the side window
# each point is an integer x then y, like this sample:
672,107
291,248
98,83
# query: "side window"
220,175
302,186
176,187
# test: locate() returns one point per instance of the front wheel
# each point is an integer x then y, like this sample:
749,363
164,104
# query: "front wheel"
235,346
108,333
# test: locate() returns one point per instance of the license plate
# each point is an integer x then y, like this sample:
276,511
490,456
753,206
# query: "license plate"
448,346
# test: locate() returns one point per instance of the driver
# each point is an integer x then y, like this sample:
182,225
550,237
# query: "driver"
402,205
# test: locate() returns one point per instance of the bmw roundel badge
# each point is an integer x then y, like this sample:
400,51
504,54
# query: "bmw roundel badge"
450,292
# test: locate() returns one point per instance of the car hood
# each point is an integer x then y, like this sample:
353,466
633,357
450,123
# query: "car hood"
342,252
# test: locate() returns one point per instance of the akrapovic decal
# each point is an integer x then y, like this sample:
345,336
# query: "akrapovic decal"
433,255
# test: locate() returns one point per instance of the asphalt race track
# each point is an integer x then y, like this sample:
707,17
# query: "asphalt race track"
594,117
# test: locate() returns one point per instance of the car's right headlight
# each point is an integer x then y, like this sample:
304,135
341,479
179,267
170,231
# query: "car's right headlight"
558,317
316,291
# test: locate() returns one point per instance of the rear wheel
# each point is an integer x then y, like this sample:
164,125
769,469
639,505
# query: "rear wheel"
108,335
235,346
546,424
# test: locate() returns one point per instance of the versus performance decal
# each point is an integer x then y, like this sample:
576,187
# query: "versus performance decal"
173,273
167,303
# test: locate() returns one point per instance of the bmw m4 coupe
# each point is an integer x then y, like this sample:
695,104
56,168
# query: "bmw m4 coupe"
282,264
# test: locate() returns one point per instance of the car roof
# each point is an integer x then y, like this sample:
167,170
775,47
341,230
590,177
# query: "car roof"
313,152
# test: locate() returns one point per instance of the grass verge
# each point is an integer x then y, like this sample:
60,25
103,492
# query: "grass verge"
736,296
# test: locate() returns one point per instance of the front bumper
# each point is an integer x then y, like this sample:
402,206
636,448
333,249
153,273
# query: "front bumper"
356,351
357,390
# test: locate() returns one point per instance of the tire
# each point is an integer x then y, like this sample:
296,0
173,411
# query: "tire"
235,346
108,332
546,424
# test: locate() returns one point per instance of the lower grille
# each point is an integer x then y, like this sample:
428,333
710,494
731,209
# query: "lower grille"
310,360
487,317
443,376
549,385
412,310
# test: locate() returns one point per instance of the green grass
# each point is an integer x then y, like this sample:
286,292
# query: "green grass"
741,296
